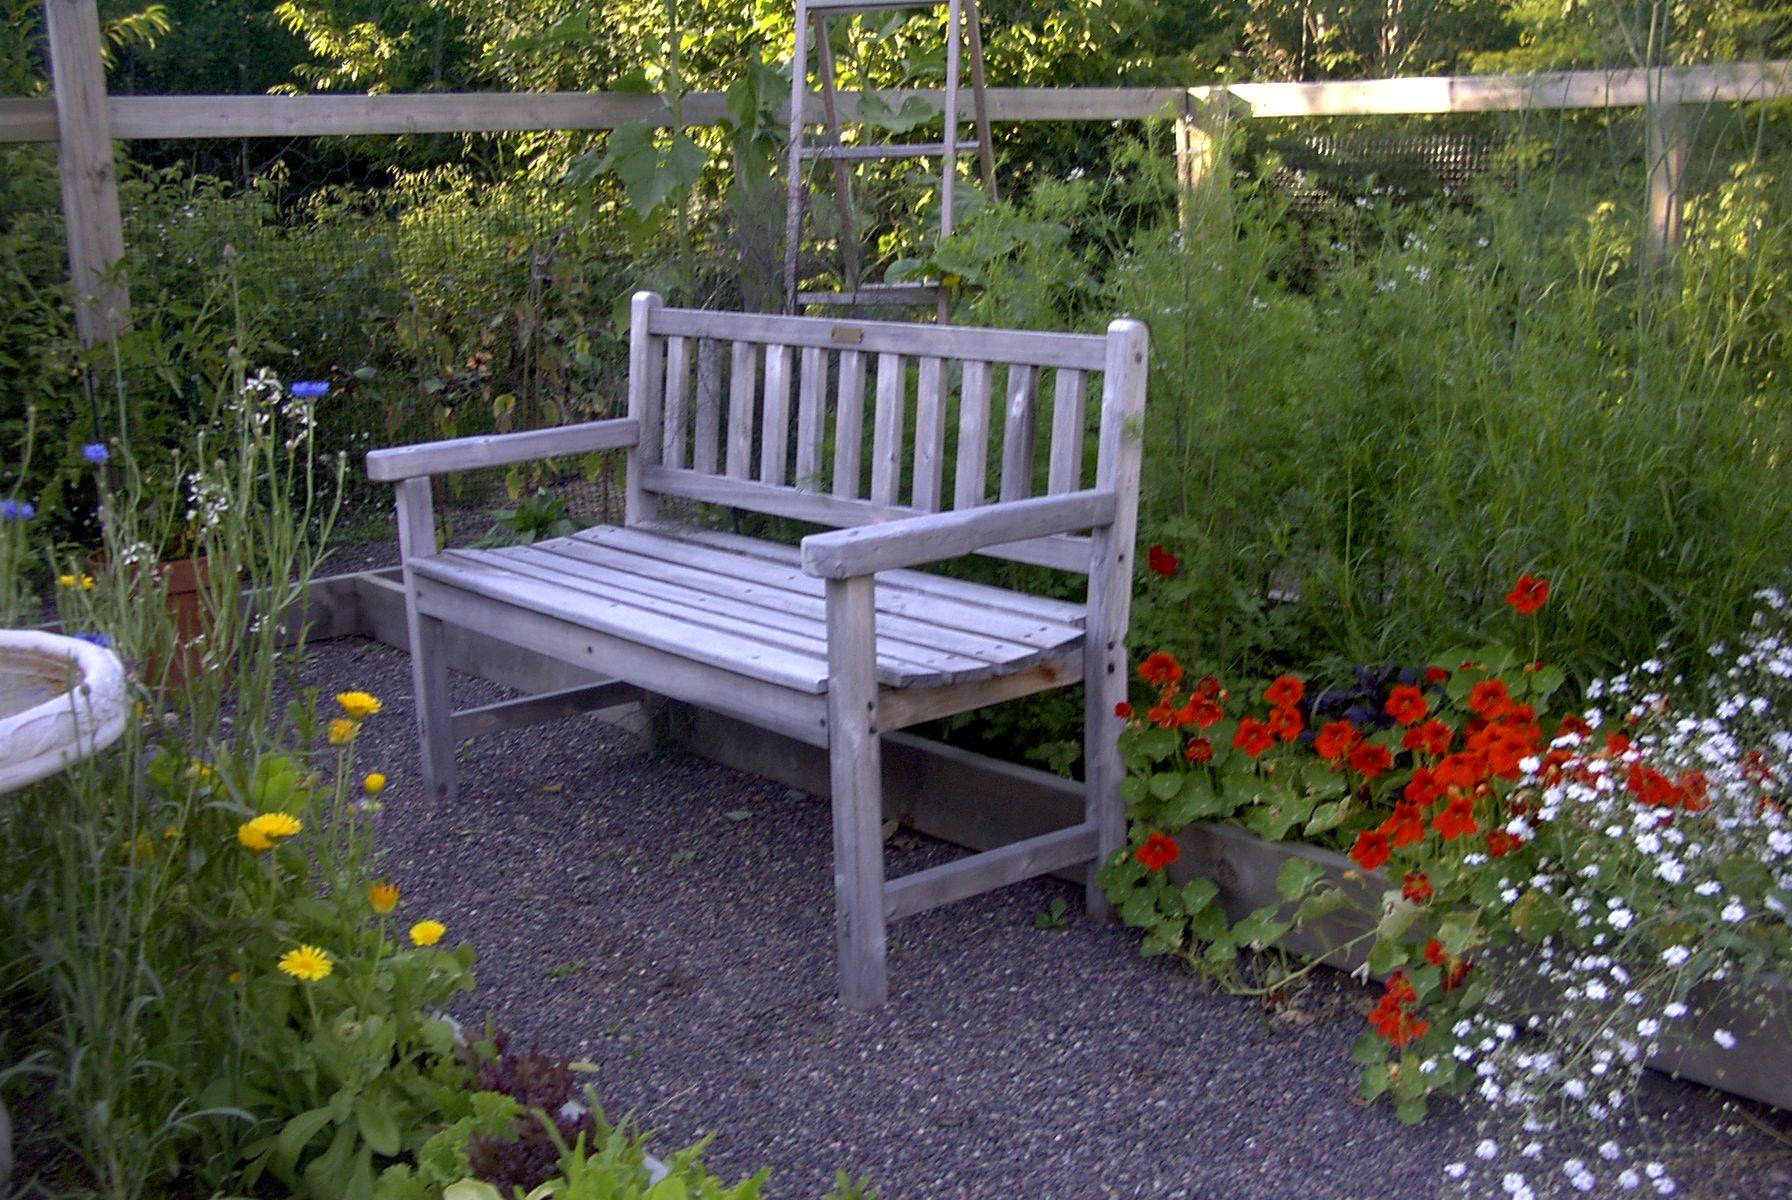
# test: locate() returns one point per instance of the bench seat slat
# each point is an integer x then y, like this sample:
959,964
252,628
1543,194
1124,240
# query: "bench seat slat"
656,576
896,661
747,613
1042,608
974,607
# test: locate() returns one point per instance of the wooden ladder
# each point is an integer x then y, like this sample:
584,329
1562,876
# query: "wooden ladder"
962,33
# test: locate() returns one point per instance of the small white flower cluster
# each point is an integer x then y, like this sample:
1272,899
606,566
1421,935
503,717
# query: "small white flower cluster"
1663,869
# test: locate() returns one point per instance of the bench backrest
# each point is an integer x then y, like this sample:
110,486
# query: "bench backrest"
768,413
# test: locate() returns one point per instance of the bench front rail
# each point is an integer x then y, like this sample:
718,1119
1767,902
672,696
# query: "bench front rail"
843,638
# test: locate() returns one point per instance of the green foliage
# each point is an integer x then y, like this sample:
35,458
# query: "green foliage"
536,518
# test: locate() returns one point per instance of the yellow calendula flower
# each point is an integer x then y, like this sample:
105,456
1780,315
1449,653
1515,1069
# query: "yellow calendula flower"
383,896
201,771
343,731
427,933
262,832
375,783
84,582
139,850
307,963
358,705
235,977
172,833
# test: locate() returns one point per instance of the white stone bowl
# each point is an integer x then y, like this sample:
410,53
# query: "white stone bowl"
61,700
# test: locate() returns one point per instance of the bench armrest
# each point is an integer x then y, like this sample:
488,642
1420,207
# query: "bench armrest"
935,537
499,450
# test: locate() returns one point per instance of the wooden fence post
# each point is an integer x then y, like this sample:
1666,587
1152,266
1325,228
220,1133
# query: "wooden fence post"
1202,123
93,225
1669,149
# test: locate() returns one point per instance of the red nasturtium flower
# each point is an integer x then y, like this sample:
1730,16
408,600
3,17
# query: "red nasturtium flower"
1617,743
1423,788
1123,710
1528,594
1162,561
1370,760
1162,715
1436,675
1489,699
1406,826
1464,770
1433,737
1336,740
1575,724
1393,1018
1158,852
1454,969
1371,849
1285,692
1254,736
1200,750
1203,711
1161,668
1457,819
1407,704
1416,887
1500,843
1286,723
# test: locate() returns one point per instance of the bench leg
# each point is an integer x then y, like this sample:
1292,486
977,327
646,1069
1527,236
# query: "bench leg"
1104,686
435,716
856,770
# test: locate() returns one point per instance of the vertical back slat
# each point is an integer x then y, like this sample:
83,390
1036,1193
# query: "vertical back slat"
743,376
930,435
811,414
1017,432
1068,399
973,437
886,434
706,439
646,376
676,416
774,427
849,424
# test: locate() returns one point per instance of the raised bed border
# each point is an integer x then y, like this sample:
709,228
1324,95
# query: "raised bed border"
979,803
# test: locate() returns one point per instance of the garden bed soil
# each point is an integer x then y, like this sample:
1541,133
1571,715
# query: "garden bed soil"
669,921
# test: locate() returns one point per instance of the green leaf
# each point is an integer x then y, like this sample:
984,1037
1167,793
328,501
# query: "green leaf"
1198,893
913,112
1261,928
1375,1081
1396,919
1166,784
1385,956
377,1125
1322,903
1457,933
1296,877
1368,1050
471,1189
298,1132
1326,818
1411,1110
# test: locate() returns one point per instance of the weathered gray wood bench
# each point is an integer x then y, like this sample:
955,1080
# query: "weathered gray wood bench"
841,640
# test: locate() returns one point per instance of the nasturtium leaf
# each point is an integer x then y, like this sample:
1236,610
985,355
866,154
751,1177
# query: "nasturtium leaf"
1261,928
1411,1110
1198,893
1457,933
1322,903
1219,953
1368,1049
1296,876
1210,924
1397,915
1385,956
1325,818
1166,784
1375,1081
1132,790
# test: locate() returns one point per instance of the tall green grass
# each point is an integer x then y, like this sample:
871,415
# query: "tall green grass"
1362,427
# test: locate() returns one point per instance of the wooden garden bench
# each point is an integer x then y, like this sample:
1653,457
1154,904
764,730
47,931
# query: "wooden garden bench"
840,641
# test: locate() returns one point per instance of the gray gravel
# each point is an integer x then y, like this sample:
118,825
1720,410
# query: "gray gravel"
669,921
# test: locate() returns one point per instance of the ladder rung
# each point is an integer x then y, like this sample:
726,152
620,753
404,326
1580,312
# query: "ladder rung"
816,6
890,294
886,150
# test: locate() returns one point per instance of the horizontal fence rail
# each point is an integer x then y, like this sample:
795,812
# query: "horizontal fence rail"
134,117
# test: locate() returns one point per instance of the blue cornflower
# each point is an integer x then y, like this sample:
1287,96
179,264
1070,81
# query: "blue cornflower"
17,510
97,639
309,389
95,452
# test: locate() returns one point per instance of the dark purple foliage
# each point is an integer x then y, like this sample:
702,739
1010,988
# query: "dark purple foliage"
543,1086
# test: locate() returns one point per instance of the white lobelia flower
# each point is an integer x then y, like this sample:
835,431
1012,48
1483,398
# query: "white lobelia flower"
1675,956
1487,1150
1724,1038
1733,912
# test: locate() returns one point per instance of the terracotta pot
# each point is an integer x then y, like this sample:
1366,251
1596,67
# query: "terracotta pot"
182,583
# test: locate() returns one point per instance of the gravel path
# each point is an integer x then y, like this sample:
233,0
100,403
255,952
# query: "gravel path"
669,921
